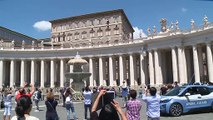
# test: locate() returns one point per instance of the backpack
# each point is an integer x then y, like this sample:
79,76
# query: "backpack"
39,95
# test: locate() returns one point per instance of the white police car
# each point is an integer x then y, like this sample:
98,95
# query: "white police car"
187,98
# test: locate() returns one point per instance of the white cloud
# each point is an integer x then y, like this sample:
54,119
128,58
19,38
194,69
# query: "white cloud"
138,33
183,9
42,25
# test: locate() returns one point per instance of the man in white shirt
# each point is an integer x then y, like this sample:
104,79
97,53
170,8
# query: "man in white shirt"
153,104
87,101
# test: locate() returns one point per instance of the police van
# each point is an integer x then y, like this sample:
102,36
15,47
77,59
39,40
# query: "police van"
183,99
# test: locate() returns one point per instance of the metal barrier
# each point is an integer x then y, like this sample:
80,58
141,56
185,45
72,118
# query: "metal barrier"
77,96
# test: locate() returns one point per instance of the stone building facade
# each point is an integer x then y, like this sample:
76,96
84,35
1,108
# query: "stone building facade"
104,28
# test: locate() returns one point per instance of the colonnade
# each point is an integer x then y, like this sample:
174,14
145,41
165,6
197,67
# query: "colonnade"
32,71
49,72
113,70
154,66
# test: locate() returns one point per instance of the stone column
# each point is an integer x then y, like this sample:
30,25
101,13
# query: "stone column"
125,68
61,73
95,72
151,69
42,74
180,66
111,72
142,73
209,61
184,66
121,70
12,73
174,65
22,73
91,79
131,70
200,59
71,71
116,73
100,70
196,64
2,73
189,61
104,71
158,74
32,76
52,73
160,67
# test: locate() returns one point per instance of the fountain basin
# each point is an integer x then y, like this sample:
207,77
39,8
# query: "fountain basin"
77,76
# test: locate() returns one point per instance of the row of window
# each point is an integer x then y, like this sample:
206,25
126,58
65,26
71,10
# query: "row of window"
86,23
83,35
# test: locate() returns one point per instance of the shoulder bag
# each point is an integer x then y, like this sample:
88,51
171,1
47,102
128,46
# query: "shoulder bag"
57,117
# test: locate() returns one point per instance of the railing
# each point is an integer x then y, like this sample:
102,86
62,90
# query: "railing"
77,96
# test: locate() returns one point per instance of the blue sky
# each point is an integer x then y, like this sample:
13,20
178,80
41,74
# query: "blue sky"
21,15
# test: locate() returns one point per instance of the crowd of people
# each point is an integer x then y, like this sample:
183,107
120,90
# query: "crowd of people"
111,110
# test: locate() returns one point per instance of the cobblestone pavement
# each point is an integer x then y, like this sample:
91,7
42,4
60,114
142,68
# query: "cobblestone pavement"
80,113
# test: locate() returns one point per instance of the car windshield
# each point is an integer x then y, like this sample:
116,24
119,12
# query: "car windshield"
175,91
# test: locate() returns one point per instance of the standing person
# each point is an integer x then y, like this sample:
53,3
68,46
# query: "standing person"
51,103
7,104
23,109
69,104
87,101
62,90
163,90
124,92
41,96
140,91
153,104
169,87
16,91
133,106
36,98
22,91
175,84
2,98
94,90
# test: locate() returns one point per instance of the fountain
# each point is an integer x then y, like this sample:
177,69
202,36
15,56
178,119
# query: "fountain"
77,74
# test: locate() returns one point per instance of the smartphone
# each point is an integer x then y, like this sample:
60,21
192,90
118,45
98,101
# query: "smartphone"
108,97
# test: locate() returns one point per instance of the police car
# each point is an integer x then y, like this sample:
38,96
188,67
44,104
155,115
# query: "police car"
183,99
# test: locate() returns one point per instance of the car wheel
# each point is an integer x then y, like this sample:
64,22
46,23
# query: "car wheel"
176,109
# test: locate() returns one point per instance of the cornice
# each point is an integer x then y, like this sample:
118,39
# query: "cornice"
108,50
